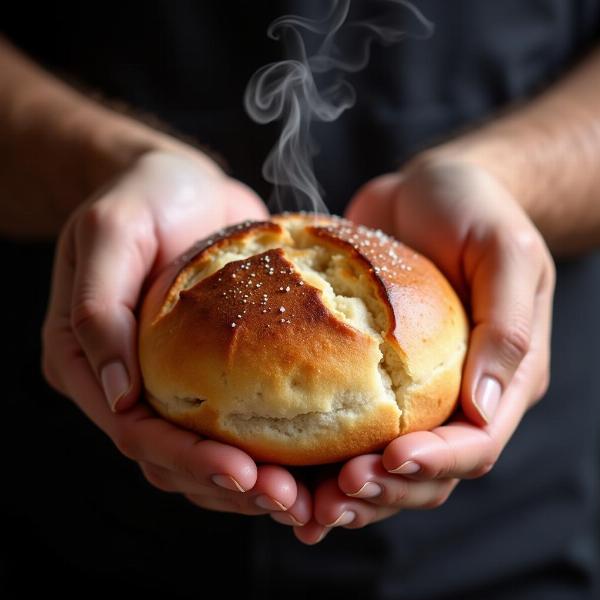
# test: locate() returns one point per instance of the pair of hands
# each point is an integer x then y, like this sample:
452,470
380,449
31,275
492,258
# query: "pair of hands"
452,211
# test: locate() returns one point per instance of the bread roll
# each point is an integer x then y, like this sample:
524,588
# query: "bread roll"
302,340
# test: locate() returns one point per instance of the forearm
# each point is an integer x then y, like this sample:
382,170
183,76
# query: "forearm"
58,146
547,153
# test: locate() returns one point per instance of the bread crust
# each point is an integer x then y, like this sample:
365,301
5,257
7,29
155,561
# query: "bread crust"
254,353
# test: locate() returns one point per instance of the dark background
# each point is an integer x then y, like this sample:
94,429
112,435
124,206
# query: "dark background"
79,519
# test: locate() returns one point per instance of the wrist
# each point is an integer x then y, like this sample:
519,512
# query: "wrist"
60,146
65,151
501,156
542,159
102,143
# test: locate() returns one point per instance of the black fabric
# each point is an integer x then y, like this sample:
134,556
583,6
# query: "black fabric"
79,519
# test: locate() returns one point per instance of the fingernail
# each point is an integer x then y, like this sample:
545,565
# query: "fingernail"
227,482
410,467
369,490
487,397
115,383
344,519
268,503
286,519
321,537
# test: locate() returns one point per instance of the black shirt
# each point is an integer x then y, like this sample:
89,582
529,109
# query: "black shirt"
81,519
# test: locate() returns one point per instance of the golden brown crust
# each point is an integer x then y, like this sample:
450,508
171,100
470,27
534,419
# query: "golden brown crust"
253,355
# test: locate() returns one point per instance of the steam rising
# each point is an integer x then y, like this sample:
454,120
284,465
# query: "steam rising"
287,91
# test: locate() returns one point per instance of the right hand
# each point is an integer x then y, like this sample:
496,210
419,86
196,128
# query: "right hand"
109,247
462,217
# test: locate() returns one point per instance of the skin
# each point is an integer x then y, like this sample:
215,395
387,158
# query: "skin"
502,268
494,200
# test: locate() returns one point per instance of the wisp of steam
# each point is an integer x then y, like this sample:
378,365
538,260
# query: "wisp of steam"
287,91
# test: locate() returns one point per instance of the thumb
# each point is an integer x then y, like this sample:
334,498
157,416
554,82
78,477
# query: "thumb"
504,285
242,203
114,250
373,204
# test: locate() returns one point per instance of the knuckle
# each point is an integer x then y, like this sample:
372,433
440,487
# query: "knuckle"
86,311
527,242
512,340
450,465
100,219
395,494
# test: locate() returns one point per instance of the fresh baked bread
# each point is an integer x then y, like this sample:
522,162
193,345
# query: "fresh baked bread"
302,340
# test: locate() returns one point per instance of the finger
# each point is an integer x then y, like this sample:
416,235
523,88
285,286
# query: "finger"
504,274
366,478
171,481
275,492
58,342
242,203
463,451
372,206
115,249
300,512
312,533
142,436
275,489
119,239
459,449
215,202
333,508
541,334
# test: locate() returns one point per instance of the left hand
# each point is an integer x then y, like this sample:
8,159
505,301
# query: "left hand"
109,250
468,224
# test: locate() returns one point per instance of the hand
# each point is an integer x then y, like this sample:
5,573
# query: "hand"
458,215
109,247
